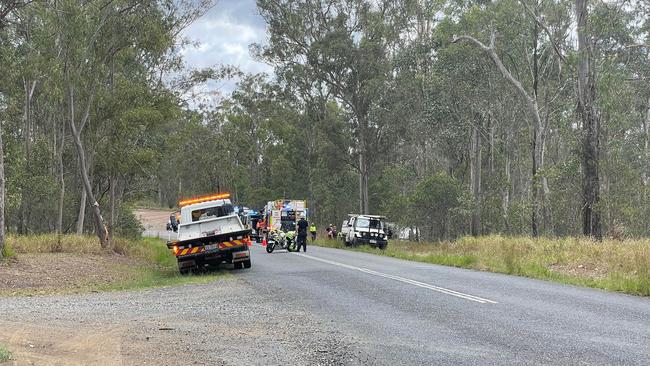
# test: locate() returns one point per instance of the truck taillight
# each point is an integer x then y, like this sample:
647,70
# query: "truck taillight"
175,249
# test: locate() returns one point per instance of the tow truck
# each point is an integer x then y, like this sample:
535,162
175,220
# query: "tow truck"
210,233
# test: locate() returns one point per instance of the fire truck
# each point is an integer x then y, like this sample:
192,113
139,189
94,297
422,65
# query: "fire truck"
283,214
210,233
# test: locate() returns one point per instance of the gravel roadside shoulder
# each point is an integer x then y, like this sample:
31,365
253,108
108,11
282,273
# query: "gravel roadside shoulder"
226,322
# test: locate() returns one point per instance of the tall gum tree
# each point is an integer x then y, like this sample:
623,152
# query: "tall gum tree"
345,45
6,8
590,117
539,126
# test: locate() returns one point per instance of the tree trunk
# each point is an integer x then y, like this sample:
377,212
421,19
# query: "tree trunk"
2,197
589,115
161,203
646,152
100,227
59,221
29,88
82,212
475,180
363,183
536,183
505,195
491,160
111,217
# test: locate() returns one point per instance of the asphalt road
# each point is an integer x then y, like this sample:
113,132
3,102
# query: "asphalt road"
334,307
402,312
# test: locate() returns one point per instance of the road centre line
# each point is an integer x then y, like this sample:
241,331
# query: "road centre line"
404,280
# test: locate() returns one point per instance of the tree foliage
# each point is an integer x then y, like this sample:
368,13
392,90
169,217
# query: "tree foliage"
374,106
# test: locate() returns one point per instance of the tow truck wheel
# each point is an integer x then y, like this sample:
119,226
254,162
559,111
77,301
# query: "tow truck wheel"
247,264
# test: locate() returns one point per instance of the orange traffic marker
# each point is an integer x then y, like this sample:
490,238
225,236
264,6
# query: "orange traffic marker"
264,242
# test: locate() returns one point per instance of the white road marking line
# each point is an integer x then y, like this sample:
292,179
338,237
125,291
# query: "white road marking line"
405,280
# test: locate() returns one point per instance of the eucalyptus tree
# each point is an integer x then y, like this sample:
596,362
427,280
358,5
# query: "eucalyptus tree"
98,40
537,90
347,46
6,9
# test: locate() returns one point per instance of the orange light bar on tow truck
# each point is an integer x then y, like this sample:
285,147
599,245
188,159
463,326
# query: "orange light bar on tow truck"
213,197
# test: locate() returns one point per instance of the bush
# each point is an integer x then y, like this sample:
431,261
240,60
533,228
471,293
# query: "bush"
7,251
5,355
128,225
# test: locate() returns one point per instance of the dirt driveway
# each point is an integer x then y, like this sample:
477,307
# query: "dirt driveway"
153,220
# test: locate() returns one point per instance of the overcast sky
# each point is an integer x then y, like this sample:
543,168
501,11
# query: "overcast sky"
224,34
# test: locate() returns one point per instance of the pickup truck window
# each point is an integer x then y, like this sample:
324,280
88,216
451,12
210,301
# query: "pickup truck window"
212,212
365,223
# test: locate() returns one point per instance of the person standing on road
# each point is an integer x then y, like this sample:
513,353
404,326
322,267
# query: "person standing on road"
301,228
312,231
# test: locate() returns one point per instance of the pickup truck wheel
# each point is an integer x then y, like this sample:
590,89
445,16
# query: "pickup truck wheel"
247,264
184,271
238,265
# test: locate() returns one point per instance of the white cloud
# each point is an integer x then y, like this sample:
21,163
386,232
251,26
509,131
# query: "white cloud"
222,37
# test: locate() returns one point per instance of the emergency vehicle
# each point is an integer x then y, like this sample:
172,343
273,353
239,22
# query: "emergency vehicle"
210,233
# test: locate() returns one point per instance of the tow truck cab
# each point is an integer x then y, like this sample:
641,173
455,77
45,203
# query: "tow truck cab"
210,232
366,230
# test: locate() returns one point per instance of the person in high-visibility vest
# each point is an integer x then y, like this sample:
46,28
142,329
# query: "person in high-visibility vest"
312,231
261,226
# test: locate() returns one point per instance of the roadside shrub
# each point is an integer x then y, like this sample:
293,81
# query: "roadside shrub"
7,251
5,355
127,224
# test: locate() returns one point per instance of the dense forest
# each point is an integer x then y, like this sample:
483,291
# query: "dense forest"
456,117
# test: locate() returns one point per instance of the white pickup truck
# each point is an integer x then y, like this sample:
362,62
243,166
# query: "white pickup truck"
365,230
210,233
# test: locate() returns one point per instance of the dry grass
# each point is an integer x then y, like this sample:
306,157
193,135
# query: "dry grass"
49,243
152,250
128,264
612,265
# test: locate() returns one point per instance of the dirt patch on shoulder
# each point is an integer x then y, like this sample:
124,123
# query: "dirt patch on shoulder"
61,272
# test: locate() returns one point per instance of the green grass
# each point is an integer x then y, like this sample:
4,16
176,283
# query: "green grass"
622,266
163,269
5,355
156,265
7,252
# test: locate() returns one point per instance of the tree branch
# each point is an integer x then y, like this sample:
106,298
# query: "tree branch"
546,30
530,101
